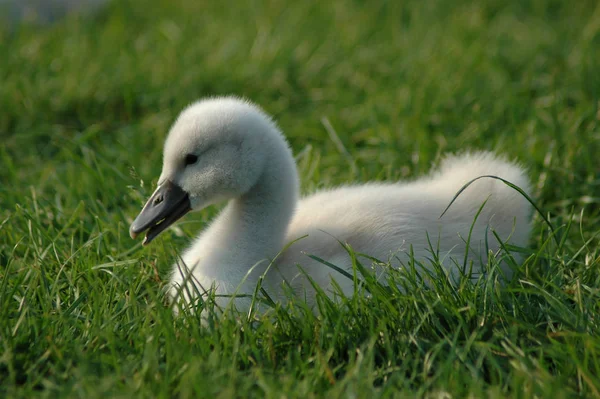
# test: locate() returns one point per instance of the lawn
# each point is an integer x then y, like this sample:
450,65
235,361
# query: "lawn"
85,104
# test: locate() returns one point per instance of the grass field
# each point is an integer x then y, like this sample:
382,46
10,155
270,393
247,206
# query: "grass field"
85,104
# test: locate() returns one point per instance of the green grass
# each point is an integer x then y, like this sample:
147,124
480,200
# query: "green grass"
85,104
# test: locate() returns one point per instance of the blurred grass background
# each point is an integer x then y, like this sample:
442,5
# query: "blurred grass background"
85,104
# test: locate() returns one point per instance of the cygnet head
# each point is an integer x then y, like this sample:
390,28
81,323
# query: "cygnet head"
216,150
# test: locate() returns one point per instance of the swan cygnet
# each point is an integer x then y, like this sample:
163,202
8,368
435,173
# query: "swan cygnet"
227,149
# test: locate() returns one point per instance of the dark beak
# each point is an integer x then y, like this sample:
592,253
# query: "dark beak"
168,203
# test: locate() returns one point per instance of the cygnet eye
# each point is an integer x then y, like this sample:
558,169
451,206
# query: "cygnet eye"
190,159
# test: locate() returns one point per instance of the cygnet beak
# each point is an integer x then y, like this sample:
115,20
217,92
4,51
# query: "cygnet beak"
168,203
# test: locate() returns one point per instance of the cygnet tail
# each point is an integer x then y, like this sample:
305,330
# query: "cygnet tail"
506,210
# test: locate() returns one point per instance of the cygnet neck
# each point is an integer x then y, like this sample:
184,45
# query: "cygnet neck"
256,223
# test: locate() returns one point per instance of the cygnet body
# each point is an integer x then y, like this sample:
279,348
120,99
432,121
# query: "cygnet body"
227,149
